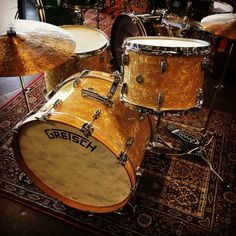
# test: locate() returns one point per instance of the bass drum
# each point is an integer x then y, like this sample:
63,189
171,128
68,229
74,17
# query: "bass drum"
50,11
84,148
131,25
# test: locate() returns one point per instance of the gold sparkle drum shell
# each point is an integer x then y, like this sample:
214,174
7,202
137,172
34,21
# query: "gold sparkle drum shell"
93,172
163,74
90,53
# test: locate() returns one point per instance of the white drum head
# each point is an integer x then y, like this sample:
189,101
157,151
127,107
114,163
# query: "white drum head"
88,40
167,42
222,7
72,166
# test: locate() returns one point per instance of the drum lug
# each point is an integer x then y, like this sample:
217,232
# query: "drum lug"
125,59
45,116
123,158
117,79
205,63
124,89
87,128
163,65
199,98
84,73
139,171
160,99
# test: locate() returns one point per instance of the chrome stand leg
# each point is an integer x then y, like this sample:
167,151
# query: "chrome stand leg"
25,93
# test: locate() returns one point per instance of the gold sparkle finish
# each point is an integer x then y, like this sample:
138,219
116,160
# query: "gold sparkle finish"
87,180
179,84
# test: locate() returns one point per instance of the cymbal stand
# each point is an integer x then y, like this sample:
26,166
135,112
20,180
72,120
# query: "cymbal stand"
25,92
200,149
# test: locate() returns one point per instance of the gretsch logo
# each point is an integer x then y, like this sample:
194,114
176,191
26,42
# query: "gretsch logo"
67,135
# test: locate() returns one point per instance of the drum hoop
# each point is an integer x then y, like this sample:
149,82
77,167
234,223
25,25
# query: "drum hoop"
230,8
53,192
158,50
74,77
150,111
94,52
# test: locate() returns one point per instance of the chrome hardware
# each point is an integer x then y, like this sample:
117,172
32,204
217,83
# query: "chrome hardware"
124,88
205,63
117,79
57,103
139,79
139,171
160,99
130,141
16,127
44,117
77,79
163,65
87,128
89,93
125,59
199,98
123,158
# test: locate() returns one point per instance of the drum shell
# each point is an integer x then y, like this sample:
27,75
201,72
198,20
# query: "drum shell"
179,84
76,64
94,57
134,25
112,129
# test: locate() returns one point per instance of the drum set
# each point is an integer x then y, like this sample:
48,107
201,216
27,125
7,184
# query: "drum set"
86,144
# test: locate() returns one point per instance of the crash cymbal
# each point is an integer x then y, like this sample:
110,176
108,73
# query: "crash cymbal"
29,47
223,25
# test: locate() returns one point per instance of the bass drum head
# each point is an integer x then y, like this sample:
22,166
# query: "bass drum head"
126,26
46,11
73,168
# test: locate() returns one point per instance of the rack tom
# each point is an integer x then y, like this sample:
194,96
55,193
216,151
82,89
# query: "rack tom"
163,74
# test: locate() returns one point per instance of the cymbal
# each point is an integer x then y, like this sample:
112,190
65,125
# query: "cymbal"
221,25
29,47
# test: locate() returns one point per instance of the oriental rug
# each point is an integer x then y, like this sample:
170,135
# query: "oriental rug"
176,195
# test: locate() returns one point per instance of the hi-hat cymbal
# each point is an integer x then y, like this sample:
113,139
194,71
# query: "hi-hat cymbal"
223,25
29,47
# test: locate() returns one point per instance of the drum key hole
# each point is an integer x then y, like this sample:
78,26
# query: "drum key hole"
140,79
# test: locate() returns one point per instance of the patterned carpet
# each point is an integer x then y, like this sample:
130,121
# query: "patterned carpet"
176,195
